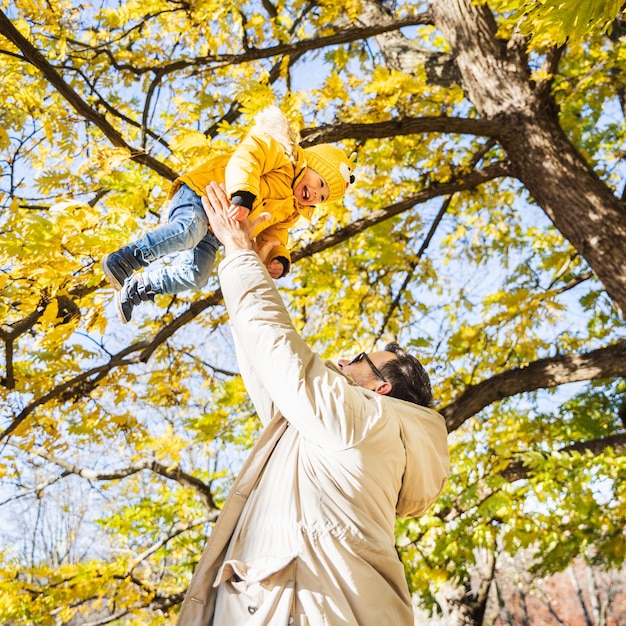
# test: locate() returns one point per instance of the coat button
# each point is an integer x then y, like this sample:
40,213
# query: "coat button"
252,610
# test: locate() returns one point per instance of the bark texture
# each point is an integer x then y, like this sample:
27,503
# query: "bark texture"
523,118
608,362
495,78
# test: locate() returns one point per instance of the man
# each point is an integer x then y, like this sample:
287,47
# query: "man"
306,536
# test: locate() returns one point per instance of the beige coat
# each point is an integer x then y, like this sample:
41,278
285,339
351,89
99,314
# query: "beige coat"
306,535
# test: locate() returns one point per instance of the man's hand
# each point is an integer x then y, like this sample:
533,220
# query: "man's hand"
234,235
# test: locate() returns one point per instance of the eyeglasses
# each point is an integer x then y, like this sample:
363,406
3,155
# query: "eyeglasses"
359,357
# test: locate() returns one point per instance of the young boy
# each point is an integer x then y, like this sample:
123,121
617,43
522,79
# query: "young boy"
268,172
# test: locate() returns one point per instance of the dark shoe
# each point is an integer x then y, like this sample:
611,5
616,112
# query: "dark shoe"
133,293
120,265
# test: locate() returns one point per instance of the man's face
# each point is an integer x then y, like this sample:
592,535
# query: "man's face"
365,369
312,188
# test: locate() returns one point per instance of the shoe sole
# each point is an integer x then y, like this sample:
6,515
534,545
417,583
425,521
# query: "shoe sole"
118,308
109,276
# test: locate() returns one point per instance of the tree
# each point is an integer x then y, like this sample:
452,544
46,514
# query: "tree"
486,229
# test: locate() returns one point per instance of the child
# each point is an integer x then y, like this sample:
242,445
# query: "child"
268,172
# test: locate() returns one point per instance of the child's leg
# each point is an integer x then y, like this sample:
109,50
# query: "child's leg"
185,228
190,270
186,233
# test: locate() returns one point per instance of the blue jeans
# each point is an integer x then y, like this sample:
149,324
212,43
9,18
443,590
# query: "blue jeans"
187,233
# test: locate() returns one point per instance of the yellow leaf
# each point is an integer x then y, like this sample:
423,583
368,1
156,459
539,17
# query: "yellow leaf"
51,312
114,157
4,139
190,140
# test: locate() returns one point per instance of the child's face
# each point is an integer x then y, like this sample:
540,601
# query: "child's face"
312,188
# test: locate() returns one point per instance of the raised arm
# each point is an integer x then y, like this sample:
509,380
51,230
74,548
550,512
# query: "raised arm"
312,397
265,407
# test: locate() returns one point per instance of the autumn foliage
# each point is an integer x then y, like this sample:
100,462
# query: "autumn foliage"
486,231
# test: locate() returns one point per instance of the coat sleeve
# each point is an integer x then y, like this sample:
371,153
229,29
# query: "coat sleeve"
314,399
279,234
255,155
265,408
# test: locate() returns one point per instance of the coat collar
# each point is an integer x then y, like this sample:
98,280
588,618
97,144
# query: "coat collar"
335,368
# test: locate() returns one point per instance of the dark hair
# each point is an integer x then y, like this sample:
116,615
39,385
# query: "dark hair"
408,378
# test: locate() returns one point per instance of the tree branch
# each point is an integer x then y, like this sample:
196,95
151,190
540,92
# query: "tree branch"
476,158
608,362
35,58
465,182
605,362
398,127
409,274
347,35
549,68
75,383
158,468
10,332
110,618
177,530
518,470
167,331
85,381
34,490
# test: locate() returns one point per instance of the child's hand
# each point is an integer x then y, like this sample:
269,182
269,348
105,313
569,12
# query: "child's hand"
275,268
237,212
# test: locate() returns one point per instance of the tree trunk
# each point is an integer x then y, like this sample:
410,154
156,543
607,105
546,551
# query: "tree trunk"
494,75
523,607
594,596
456,604
579,595
504,612
464,606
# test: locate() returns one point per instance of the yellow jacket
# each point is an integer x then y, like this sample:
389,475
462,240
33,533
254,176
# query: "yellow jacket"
260,165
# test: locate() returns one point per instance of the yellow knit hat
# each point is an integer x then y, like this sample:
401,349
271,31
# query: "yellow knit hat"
333,166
